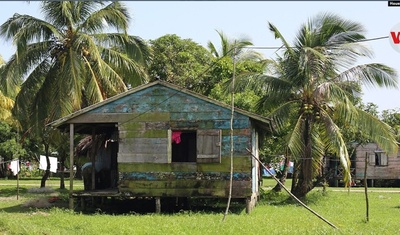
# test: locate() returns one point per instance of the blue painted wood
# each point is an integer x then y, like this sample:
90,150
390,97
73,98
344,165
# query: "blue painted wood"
179,104
155,176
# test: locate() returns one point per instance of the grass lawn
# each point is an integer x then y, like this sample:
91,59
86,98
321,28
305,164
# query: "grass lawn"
274,214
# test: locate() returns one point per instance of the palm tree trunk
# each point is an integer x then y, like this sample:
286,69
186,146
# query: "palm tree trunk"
62,168
304,184
47,173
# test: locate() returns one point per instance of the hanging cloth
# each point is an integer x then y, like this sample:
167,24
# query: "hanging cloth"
43,163
176,137
14,167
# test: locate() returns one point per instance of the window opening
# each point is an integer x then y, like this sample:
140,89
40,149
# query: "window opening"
184,146
378,158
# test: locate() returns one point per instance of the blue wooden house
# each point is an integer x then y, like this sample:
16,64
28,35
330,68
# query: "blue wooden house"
164,141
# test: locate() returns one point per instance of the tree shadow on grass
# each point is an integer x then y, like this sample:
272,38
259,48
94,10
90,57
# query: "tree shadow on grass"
12,191
282,198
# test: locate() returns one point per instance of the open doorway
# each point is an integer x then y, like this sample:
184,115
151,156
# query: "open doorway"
102,159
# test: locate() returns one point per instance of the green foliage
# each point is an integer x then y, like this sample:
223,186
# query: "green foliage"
311,102
243,100
180,61
392,118
79,55
10,147
222,76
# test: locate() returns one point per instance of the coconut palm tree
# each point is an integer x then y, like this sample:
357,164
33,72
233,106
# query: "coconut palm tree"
234,58
79,54
234,48
311,92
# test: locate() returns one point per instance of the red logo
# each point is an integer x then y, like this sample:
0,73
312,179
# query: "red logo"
394,37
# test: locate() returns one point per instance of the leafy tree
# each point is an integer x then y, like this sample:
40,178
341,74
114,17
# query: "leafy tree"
317,78
10,147
392,118
180,61
222,74
234,59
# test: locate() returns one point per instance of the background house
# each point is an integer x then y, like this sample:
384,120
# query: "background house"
382,169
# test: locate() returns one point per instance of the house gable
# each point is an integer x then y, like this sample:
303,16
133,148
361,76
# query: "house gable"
158,97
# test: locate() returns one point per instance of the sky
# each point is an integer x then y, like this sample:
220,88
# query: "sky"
199,20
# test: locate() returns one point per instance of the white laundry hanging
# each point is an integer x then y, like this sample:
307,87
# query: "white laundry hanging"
14,166
43,163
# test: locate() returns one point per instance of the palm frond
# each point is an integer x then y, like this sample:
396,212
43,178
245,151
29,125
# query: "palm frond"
371,75
337,145
278,35
376,130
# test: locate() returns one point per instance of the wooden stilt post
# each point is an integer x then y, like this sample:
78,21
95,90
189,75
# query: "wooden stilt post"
71,165
158,205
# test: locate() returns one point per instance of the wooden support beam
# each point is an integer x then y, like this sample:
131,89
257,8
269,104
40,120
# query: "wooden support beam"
158,205
71,165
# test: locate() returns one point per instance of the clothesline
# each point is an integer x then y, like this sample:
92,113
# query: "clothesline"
1,162
14,165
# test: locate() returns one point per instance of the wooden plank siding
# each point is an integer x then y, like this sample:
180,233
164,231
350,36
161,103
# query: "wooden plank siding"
388,170
144,160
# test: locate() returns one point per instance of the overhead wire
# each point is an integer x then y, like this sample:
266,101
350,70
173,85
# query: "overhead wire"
220,58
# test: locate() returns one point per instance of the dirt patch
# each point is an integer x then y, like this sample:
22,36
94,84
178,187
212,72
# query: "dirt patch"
37,203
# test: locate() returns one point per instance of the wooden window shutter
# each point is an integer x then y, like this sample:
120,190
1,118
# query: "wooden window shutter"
209,146
384,159
371,159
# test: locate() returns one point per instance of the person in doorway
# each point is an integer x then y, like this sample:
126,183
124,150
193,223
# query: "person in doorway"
87,175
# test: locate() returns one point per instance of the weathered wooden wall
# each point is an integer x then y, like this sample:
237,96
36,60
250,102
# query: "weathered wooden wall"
390,171
186,179
144,158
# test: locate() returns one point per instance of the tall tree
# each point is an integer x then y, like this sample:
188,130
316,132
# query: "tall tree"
233,57
79,54
318,79
180,61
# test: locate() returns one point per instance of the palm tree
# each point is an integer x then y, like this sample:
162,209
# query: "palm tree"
78,55
234,48
311,92
234,57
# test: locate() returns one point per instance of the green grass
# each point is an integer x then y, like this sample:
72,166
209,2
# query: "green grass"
275,214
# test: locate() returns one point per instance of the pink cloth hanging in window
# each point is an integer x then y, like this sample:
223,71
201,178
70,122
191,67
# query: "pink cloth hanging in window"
176,137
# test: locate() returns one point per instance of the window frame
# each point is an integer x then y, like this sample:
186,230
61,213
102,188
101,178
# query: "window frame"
378,158
208,145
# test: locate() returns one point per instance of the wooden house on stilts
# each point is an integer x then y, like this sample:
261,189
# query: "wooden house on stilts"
163,141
